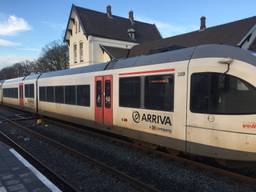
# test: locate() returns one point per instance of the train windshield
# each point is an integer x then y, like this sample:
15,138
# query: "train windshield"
217,93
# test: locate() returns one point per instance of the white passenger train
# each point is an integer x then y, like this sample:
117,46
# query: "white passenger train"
199,100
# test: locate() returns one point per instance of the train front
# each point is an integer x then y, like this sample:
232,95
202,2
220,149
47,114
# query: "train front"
222,115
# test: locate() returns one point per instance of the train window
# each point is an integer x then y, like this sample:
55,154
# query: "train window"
83,95
59,94
70,95
129,92
50,94
10,92
98,93
159,92
29,90
108,94
231,95
199,97
226,94
42,93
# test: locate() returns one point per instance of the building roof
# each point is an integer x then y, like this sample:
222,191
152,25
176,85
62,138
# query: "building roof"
115,52
100,25
229,34
253,45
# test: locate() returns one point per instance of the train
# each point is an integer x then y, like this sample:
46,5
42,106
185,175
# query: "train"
199,100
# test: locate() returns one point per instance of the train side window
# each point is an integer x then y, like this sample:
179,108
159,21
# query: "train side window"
199,95
130,92
59,94
50,94
70,95
10,92
83,95
42,93
29,90
159,92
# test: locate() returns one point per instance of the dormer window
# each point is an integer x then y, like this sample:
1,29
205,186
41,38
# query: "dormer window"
131,33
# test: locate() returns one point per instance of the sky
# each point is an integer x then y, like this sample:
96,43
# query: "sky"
26,26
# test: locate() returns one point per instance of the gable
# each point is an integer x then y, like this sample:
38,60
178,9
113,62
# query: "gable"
100,25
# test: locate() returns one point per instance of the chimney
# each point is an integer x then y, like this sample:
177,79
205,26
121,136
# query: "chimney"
109,12
203,23
131,17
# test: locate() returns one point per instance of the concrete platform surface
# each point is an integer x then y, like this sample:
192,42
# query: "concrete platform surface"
17,175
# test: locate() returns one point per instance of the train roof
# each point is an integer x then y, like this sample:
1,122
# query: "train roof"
86,69
32,76
159,58
14,80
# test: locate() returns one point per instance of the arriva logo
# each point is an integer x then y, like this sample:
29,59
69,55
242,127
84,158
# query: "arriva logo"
136,116
151,118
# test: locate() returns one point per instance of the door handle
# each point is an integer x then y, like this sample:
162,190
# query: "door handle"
211,118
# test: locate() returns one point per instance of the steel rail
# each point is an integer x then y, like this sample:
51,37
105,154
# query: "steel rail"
121,175
185,161
61,183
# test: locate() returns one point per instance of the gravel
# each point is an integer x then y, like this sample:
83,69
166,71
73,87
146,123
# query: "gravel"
83,175
163,174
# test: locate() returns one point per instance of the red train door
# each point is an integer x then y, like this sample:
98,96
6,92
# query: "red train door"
104,100
21,94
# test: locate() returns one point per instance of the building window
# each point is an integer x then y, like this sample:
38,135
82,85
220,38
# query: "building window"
217,93
159,92
76,26
81,49
75,53
129,92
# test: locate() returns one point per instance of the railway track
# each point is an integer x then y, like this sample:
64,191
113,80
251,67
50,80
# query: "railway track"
121,175
189,163
57,180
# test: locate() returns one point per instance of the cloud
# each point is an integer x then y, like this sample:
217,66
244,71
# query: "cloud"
11,59
168,29
13,25
7,43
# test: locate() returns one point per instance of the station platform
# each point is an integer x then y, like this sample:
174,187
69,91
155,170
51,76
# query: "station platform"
18,175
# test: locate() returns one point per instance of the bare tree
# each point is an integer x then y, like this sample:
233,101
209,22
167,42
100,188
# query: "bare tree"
54,57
